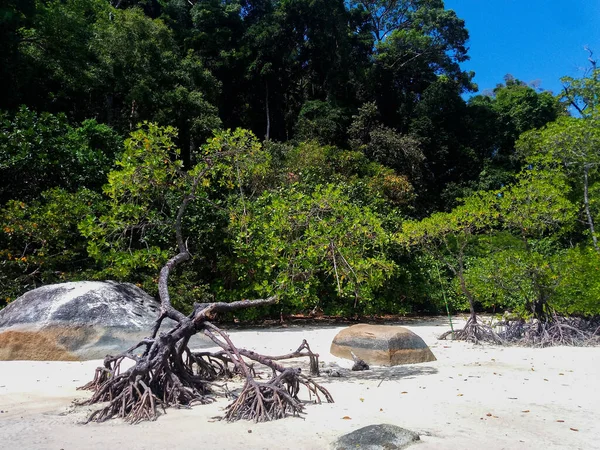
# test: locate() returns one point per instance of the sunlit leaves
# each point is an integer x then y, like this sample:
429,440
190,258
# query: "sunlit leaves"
537,204
136,235
40,242
583,93
42,151
309,246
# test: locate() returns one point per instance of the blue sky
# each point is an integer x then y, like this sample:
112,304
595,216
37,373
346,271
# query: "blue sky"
530,39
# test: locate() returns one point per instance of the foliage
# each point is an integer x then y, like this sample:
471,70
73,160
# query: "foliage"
421,284
574,142
577,289
317,249
134,238
474,215
378,187
520,108
537,205
510,276
41,151
508,269
518,270
126,240
368,183
149,79
40,242
120,66
583,93
447,237
513,278
494,121
322,122
385,145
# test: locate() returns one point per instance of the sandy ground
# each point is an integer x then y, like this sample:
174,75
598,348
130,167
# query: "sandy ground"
471,397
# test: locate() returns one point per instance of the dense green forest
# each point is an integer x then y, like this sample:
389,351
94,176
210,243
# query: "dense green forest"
333,158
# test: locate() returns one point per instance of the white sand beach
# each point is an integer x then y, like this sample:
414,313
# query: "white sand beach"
471,397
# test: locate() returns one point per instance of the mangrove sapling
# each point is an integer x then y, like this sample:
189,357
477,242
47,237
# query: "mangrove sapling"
445,237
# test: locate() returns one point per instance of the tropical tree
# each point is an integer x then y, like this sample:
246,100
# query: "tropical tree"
583,94
40,242
311,247
527,270
521,108
535,209
575,143
447,237
43,151
90,59
387,146
150,191
415,42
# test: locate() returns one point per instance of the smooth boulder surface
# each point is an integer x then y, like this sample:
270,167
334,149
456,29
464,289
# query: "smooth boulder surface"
78,321
381,345
376,437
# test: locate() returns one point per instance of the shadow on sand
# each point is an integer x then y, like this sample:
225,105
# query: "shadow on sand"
384,374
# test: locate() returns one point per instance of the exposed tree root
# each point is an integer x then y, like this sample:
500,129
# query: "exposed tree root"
275,399
555,330
474,331
158,378
168,374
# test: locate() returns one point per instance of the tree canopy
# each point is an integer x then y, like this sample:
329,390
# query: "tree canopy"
345,162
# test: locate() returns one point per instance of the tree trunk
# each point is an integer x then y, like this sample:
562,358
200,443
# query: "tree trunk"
538,306
586,202
185,144
109,100
467,292
473,331
460,273
268,134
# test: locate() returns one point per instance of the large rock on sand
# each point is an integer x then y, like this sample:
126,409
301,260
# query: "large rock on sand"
381,345
376,437
77,321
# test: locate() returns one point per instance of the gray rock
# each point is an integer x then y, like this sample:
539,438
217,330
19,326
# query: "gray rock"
359,364
376,437
78,321
381,345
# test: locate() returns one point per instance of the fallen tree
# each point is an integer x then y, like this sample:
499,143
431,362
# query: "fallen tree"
165,372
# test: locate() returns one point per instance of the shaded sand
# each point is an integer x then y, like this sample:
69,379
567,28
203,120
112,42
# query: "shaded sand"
41,345
471,397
